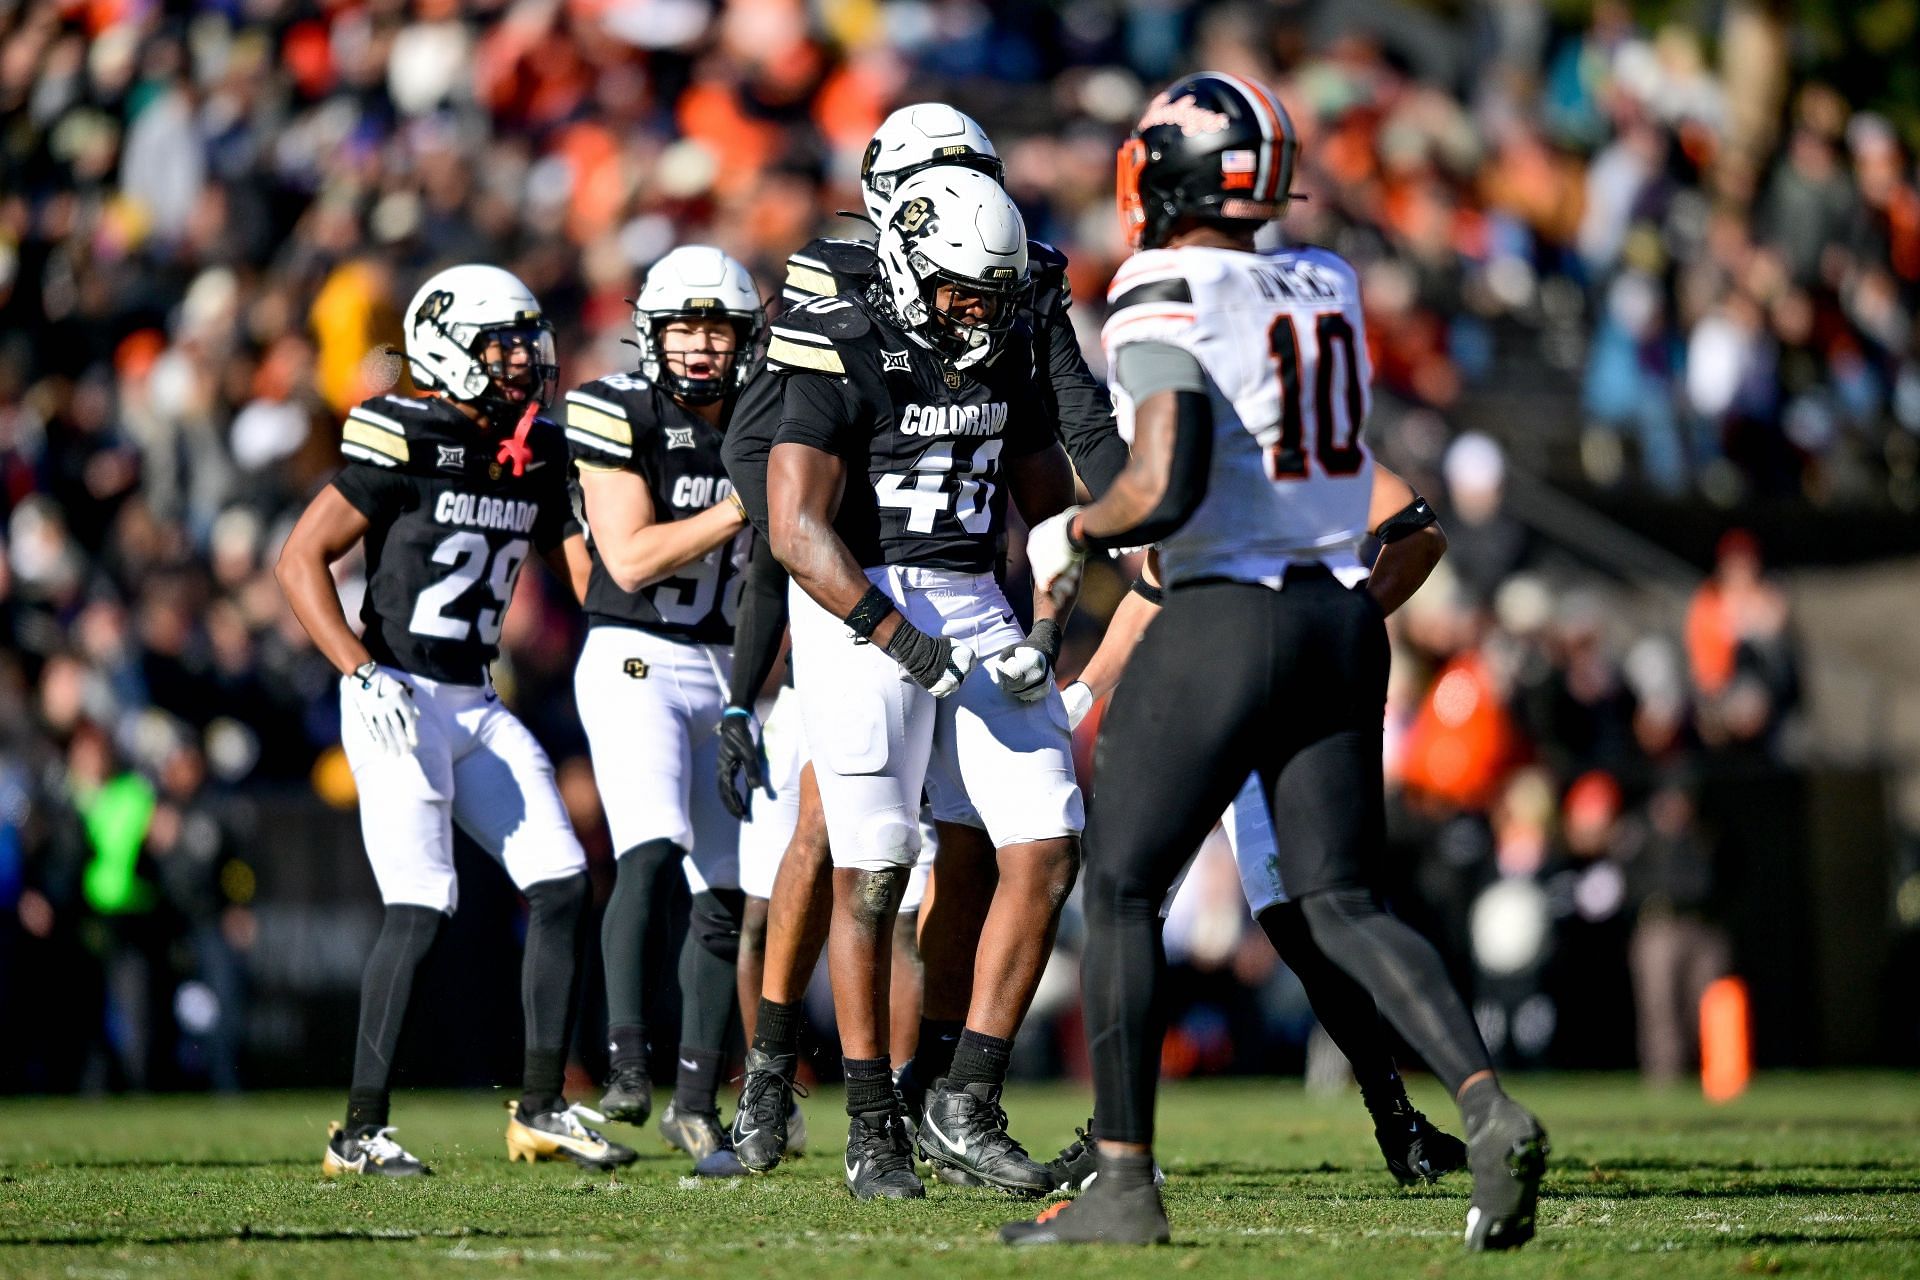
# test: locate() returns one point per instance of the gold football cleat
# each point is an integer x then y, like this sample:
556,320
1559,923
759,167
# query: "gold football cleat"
563,1135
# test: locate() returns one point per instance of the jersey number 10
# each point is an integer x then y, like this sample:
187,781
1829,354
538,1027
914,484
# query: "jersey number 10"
1287,457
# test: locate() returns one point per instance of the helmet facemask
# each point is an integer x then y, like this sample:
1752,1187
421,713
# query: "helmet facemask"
519,365
693,368
968,327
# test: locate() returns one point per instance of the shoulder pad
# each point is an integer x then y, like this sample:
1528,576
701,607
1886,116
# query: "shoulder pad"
377,430
1042,256
806,339
602,415
825,267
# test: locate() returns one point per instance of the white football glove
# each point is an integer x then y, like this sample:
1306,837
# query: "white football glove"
1022,671
960,660
1079,700
1055,561
385,707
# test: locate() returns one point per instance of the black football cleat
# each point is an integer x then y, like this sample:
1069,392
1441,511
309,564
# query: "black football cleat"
764,1128
368,1151
1416,1149
701,1135
1508,1156
564,1135
1077,1165
629,1096
1103,1215
880,1158
963,1128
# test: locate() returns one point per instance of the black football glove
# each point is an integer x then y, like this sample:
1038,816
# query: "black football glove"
741,760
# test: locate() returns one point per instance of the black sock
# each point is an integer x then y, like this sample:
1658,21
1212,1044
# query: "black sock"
1119,1173
933,1053
540,1087
1383,1094
697,1089
643,888
776,1028
406,935
366,1111
549,976
869,1085
627,1046
979,1059
1477,1103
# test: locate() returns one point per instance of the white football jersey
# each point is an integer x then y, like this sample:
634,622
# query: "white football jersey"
1283,341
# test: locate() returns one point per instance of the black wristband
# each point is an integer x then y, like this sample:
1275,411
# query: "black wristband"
1147,591
1409,520
868,614
923,657
1046,637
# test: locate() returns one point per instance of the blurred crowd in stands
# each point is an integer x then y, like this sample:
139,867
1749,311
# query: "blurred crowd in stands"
1587,229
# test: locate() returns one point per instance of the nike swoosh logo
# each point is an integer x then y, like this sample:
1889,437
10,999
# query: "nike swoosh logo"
535,466
691,1066
744,1135
853,1172
959,1148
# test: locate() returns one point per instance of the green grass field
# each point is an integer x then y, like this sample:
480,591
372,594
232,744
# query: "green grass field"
1814,1175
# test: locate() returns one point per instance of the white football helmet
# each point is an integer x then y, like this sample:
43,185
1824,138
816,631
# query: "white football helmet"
457,314
919,137
954,226
698,282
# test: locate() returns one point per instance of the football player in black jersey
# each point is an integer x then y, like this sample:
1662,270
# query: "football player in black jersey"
451,492
667,545
905,423
912,139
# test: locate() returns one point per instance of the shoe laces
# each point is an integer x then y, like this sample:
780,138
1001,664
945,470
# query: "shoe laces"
575,1117
634,1074
998,1141
760,1096
381,1146
886,1143
1081,1144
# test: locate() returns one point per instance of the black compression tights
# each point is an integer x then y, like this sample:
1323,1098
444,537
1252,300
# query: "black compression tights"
406,935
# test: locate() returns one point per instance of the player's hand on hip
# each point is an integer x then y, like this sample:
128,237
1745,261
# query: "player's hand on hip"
1079,700
742,760
386,707
1055,561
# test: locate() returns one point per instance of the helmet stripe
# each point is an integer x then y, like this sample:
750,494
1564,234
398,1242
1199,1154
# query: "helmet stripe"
1266,182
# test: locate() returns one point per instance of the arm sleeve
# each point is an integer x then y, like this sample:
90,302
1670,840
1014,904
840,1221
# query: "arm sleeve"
1082,408
1146,368
556,521
816,410
761,619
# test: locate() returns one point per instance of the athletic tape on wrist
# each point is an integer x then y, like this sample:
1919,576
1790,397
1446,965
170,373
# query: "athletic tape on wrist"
1046,637
1148,592
868,614
923,657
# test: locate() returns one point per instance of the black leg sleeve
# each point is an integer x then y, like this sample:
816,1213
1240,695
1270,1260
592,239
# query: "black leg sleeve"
1342,1005
643,891
549,980
709,996
1405,976
406,935
1167,762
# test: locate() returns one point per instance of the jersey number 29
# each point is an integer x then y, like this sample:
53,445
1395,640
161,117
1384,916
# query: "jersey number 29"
467,552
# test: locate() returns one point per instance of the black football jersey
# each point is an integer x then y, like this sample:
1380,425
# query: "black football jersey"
627,423
1075,401
449,527
929,440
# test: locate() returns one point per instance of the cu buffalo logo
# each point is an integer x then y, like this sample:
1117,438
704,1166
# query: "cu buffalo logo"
437,304
914,215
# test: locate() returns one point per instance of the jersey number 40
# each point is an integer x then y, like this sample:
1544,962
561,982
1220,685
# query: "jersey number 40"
939,481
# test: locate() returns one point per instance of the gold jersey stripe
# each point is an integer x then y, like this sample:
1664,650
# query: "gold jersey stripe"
808,280
785,351
375,438
598,422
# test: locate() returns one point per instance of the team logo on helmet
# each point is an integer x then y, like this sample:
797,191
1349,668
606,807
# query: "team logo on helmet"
1186,114
914,214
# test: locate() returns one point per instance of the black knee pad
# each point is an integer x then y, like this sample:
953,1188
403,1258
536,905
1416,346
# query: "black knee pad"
716,921
559,900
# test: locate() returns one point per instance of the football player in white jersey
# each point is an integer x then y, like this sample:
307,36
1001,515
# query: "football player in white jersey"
450,492
668,544
1241,379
